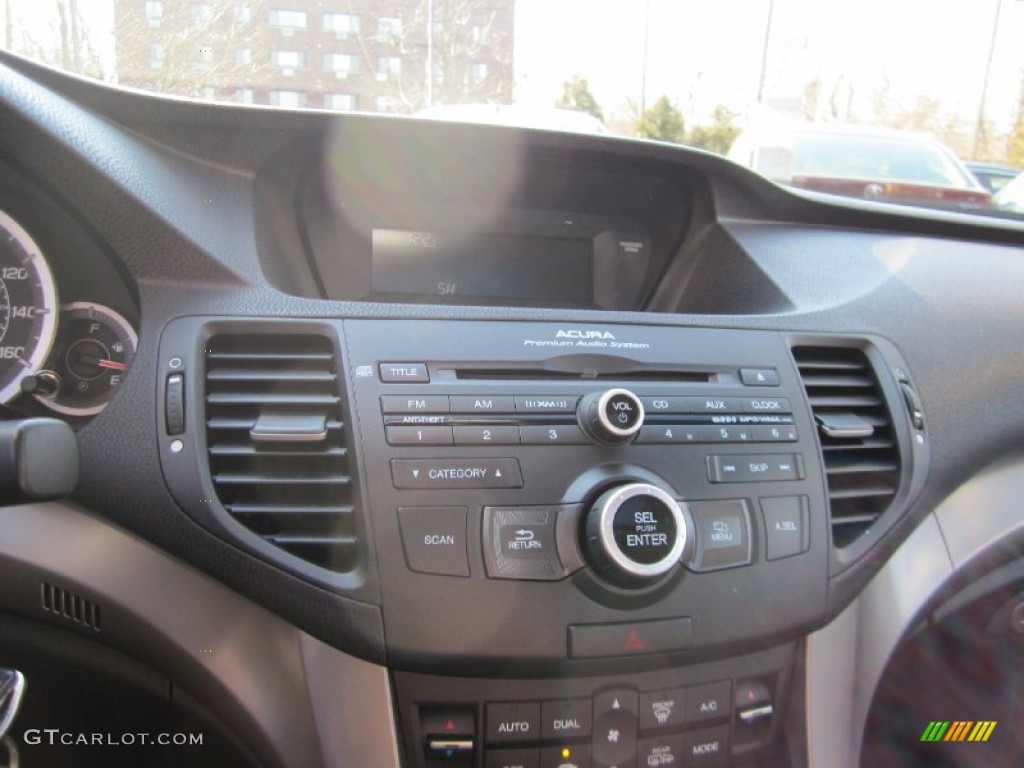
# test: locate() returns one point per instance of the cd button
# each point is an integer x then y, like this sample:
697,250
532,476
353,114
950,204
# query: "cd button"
669,405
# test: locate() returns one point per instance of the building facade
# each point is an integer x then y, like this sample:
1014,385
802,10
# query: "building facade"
366,55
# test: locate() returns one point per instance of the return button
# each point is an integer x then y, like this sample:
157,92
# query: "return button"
445,474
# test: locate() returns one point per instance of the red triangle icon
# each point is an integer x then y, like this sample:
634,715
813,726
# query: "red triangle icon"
449,726
634,642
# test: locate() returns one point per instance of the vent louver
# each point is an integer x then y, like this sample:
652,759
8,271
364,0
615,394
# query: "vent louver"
855,431
276,442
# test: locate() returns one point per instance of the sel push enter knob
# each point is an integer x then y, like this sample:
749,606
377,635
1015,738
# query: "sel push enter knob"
636,533
611,417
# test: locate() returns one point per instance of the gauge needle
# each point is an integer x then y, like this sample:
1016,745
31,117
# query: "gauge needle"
111,364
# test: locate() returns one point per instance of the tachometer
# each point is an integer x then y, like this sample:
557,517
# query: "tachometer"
28,307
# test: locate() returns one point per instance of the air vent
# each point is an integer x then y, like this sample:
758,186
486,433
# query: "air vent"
276,441
855,431
70,606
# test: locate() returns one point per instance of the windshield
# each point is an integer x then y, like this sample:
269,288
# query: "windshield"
707,75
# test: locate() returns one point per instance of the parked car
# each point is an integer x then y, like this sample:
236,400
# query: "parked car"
866,162
1011,197
991,176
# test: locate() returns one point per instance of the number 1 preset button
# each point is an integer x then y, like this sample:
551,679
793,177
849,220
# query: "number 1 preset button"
444,474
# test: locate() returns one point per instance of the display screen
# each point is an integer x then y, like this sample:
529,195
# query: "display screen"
469,265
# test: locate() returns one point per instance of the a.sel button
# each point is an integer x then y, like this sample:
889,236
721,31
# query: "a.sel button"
434,539
785,526
512,722
444,474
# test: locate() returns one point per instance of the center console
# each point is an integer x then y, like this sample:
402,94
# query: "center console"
589,545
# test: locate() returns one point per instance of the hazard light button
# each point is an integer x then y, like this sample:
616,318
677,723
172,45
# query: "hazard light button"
630,638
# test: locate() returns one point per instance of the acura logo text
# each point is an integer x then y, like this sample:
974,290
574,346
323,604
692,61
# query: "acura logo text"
574,334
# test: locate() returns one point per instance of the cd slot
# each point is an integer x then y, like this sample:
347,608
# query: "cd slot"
542,374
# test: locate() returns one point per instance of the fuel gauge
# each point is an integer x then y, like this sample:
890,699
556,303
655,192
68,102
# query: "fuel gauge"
94,348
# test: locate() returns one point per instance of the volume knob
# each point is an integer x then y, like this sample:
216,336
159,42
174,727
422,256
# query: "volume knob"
612,417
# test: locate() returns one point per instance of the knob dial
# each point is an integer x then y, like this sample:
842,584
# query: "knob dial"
636,532
612,417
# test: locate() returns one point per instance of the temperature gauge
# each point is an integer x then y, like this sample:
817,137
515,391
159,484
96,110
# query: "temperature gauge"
94,348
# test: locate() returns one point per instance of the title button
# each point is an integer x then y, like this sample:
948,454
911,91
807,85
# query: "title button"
404,373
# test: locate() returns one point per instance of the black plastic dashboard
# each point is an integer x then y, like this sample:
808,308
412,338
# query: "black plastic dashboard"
377,365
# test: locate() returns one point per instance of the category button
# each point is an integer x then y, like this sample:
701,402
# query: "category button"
511,722
434,539
446,474
404,373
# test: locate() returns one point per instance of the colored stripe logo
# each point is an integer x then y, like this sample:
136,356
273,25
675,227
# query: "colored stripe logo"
958,730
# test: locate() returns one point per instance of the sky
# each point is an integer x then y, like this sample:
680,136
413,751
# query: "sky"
704,52
701,53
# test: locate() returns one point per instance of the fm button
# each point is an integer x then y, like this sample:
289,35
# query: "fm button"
612,417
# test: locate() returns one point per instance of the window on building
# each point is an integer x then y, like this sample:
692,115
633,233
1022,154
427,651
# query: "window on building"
479,34
287,20
341,63
345,101
209,93
389,67
288,98
244,95
202,13
388,104
341,24
204,58
388,28
478,71
157,55
243,15
288,60
243,56
154,12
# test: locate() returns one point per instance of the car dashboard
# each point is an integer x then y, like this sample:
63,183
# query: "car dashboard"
406,443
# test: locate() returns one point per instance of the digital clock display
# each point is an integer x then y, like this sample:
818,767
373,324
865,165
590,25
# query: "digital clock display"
458,265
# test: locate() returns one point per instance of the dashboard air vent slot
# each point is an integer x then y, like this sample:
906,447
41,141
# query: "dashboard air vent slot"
855,431
277,447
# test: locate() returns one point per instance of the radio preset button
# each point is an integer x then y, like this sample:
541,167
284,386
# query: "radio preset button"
561,434
783,433
447,474
487,435
419,435
669,433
